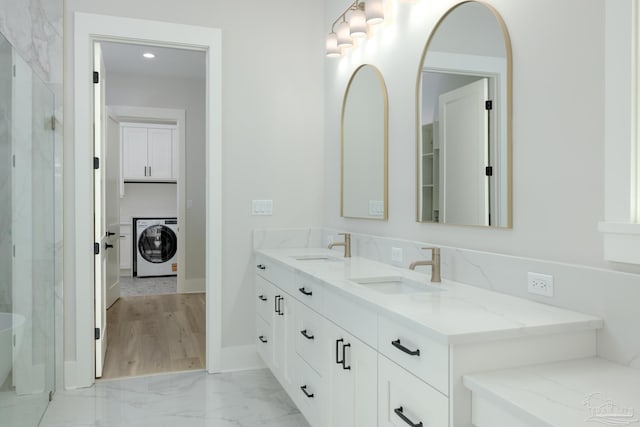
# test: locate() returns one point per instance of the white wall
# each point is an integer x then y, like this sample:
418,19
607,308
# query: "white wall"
558,129
272,129
158,200
183,94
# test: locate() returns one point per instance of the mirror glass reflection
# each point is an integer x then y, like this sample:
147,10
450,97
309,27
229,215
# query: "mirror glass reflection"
463,100
364,146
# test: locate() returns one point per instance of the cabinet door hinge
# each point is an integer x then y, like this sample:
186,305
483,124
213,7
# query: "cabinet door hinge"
96,77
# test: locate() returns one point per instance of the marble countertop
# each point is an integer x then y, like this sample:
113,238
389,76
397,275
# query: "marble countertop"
573,393
457,314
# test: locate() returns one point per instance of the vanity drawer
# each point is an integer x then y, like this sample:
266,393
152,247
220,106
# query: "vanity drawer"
310,340
308,290
355,318
416,352
309,394
404,399
264,299
264,341
274,272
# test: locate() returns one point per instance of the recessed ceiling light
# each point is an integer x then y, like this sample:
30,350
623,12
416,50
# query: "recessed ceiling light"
148,55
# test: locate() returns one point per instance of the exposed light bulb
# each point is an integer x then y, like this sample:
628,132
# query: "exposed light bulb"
358,24
344,35
333,50
374,11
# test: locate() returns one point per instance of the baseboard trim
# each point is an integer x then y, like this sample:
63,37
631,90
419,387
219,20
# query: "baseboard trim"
240,358
192,286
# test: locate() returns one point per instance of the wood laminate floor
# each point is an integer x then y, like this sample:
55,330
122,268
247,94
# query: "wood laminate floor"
154,334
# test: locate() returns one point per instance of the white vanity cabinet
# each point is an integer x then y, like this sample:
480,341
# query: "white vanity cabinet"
149,152
351,378
349,358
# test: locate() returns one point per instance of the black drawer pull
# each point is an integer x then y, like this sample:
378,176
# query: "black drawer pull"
261,267
263,339
304,390
304,334
399,346
305,292
399,412
262,298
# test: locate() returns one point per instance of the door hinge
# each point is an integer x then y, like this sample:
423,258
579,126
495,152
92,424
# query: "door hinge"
96,163
53,123
488,105
97,333
50,396
96,77
14,70
96,248
14,160
488,171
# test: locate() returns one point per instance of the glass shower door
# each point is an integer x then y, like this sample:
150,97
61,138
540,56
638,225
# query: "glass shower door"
26,242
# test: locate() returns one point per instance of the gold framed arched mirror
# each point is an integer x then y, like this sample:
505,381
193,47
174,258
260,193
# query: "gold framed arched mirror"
463,105
364,146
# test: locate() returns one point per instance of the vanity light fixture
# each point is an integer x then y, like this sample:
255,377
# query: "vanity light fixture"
149,55
354,25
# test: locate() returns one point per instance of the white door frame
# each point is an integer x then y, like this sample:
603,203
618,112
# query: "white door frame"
87,29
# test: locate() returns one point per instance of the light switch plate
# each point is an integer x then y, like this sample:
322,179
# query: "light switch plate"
396,254
262,207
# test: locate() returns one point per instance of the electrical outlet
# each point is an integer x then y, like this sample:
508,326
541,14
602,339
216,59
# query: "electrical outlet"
396,254
540,284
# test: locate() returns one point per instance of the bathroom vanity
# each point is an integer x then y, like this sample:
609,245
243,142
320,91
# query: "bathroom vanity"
356,342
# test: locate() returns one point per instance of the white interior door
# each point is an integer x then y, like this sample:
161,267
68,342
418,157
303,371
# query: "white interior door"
112,207
464,154
100,218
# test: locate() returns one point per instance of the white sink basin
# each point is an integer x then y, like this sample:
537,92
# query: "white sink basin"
395,285
319,257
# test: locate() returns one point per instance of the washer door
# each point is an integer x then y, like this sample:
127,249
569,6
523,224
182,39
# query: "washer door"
158,244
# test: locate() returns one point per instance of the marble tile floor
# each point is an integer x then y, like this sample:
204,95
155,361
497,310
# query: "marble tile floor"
195,399
138,286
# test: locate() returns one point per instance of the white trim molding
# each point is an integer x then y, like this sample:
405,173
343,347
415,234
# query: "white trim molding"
621,227
87,29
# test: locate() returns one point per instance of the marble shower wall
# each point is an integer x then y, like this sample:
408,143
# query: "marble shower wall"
34,28
608,294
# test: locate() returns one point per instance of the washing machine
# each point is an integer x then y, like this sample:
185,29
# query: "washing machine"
156,247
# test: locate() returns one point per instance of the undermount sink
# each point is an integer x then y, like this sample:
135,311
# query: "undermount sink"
318,257
395,285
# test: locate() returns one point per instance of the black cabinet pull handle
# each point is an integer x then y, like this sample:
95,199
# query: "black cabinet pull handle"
276,304
261,267
399,346
307,336
305,292
109,234
280,310
262,298
338,361
304,390
262,338
399,412
344,357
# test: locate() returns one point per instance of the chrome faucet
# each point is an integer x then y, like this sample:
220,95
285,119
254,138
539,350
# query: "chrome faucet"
434,263
346,244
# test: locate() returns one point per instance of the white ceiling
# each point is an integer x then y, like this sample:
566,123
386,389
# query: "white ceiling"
169,62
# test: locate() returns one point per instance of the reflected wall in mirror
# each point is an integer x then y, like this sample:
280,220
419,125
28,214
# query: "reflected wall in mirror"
464,120
364,146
